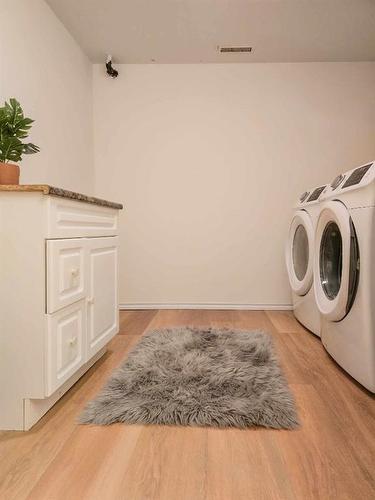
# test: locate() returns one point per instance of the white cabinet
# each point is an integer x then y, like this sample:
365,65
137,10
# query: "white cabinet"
66,344
58,296
102,320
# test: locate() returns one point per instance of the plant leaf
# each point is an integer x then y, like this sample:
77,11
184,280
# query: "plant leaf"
29,149
11,148
14,126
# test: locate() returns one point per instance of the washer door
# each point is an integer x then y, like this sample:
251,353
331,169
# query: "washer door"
336,261
299,253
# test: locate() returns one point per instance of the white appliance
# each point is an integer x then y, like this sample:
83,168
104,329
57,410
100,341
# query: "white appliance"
300,258
344,272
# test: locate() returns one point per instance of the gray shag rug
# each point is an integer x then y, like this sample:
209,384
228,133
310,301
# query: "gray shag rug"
198,377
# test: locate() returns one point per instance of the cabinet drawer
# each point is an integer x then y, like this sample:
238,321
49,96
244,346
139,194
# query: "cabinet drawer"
66,280
70,219
66,333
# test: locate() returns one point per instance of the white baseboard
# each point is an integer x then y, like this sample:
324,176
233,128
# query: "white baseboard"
243,307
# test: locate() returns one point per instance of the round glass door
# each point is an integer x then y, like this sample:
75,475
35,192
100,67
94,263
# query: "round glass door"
300,252
336,261
331,260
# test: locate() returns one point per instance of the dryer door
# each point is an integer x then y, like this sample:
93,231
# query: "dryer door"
299,253
336,261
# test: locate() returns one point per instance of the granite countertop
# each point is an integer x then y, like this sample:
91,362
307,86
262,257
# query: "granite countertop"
62,193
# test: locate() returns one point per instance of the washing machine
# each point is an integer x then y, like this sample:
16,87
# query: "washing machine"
344,272
300,258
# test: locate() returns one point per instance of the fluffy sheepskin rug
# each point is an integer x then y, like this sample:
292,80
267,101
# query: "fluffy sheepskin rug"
197,376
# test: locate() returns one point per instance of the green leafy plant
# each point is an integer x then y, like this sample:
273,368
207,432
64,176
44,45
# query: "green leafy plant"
13,128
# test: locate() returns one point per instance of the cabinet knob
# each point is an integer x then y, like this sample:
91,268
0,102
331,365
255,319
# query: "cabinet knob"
74,272
90,300
73,341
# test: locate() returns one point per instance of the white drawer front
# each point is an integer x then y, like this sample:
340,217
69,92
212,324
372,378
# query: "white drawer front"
66,281
66,349
69,219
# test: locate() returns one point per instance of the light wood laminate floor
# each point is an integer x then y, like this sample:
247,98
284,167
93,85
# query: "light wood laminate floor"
332,455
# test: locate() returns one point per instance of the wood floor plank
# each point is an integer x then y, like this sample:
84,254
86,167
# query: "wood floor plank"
331,456
318,454
238,466
168,462
135,322
169,318
77,464
284,321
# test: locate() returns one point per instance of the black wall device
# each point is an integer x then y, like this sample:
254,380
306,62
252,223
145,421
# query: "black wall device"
111,71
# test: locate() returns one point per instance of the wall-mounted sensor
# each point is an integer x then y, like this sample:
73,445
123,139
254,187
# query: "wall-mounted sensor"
110,70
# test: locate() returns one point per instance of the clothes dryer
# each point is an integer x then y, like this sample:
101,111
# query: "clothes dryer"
300,258
344,272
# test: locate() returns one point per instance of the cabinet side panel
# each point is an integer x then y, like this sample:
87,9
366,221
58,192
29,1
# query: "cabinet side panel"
22,301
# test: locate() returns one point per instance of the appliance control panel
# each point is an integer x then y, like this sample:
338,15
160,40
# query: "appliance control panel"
303,196
352,179
357,175
337,181
315,194
311,196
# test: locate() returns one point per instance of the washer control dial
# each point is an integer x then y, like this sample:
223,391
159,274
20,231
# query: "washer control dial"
337,181
303,196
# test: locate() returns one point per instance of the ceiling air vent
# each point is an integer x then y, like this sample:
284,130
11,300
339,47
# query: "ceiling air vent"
235,49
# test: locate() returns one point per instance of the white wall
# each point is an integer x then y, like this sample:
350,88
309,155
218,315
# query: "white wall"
43,67
209,160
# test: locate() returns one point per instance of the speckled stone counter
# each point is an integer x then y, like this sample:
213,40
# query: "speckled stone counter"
62,193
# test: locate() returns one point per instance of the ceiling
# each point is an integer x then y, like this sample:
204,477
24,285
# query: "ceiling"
189,31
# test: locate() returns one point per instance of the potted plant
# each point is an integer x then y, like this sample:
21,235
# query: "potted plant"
14,127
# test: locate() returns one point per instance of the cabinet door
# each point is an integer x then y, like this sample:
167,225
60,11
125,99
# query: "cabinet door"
102,298
65,272
66,344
